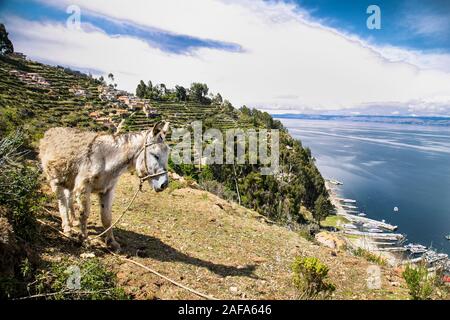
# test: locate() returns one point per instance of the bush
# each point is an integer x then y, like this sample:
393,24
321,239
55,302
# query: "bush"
310,278
20,196
419,281
369,256
95,281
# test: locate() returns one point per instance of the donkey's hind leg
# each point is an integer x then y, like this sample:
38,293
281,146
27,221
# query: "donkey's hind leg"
63,204
73,221
83,196
106,200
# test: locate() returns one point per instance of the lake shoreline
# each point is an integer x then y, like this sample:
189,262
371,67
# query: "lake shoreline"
359,241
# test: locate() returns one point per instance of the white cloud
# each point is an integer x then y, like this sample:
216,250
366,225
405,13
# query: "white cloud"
429,24
289,62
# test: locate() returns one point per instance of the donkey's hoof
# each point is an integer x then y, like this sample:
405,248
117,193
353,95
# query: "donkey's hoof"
113,245
82,237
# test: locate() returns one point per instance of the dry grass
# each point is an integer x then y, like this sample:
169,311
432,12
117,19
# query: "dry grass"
212,245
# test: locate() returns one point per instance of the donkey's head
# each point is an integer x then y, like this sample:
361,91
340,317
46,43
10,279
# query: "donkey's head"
152,162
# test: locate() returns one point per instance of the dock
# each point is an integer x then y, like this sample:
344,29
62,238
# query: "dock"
375,235
394,249
360,219
346,200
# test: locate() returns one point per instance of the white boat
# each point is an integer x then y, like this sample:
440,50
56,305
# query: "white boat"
349,226
349,207
346,200
336,182
362,214
375,230
432,257
416,248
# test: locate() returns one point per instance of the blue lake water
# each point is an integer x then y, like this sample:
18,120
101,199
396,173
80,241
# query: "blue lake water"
385,165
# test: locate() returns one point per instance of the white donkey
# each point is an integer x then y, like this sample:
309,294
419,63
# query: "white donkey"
78,163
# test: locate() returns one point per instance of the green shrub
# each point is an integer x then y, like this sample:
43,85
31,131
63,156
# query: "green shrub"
310,278
96,282
419,281
306,233
369,256
20,195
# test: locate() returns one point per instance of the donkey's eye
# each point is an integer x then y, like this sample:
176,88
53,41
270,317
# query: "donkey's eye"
156,157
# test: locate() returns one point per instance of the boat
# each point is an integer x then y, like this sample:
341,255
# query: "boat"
336,182
432,256
349,226
447,237
362,214
375,230
346,200
349,207
415,248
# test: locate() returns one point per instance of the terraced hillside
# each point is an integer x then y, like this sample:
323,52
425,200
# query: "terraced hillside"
42,106
181,114
39,96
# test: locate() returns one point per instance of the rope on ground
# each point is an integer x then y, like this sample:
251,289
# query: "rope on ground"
130,260
164,277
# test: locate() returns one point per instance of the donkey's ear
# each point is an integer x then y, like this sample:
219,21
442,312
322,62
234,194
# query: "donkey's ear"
161,128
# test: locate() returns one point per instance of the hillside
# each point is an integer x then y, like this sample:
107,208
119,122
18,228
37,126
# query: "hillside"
214,246
207,242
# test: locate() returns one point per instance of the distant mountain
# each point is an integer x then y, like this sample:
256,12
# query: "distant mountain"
413,120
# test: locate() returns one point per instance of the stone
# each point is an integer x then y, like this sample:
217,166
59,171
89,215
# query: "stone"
329,240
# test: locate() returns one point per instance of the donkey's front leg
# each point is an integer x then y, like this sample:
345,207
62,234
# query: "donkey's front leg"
84,202
63,205
106,200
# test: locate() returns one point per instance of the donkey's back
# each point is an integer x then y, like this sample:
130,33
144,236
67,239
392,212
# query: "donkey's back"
62,150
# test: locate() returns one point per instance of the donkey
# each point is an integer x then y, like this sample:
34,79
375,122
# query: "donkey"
78,163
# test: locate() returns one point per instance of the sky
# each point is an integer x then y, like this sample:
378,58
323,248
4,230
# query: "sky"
289,56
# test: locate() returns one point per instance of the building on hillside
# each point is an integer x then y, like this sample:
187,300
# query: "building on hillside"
94,114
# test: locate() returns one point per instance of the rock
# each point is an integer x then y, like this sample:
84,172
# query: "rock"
175,176
329,240
234,290
87,255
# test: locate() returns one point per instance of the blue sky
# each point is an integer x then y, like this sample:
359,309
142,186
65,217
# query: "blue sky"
401,21
288,56
400,25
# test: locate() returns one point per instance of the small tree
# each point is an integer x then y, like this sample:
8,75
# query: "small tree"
198,91
310,278
419,281
181,93
6,46
322,208
141,90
